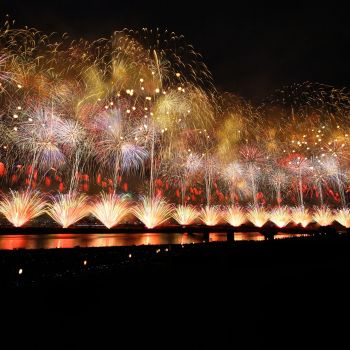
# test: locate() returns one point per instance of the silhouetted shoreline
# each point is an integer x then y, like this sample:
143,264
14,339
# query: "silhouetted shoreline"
253,294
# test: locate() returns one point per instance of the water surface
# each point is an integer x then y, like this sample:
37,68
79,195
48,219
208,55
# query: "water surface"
67,240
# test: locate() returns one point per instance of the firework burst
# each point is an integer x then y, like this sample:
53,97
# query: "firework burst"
280,216
235,216
210,215
301,215
67,209
21,207
258,216
343,217
323,216
110,209
152,212
185,214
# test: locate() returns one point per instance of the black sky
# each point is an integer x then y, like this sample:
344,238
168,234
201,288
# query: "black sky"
251,50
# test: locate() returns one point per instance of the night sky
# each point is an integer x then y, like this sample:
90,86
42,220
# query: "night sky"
251,50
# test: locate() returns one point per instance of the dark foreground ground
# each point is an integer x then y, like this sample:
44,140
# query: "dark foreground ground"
233,295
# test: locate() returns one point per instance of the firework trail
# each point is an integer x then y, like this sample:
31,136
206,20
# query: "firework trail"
253,159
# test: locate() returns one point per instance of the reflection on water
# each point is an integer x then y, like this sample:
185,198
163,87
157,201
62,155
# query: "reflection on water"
67,240
249,236
281,235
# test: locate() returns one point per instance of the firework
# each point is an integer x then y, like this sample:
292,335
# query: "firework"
21,207
301,215
233,175
258,216
37,138
152,212
185,214
300,166
253,159
319,178
333,171
110,209
343,217
210,170
280,216
235,216
279,180
183,165
323,216
117,144
210,215
67,209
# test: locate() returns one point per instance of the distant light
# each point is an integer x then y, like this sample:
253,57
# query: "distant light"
85,262
130,255
20,271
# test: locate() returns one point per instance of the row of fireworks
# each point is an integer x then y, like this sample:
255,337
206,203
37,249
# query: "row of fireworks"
111,210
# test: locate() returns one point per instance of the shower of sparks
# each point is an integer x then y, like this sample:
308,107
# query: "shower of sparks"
185,214
21,207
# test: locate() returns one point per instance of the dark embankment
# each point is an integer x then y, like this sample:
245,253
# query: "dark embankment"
245,295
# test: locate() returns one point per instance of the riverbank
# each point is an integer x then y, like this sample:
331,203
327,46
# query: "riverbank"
267,294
